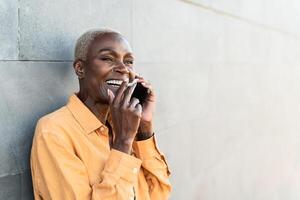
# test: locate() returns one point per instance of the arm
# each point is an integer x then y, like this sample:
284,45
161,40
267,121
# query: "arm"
59,174
154,165
155,168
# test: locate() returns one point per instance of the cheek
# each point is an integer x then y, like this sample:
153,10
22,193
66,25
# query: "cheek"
97,84
101,73
96,81
98,89
97,77
100,69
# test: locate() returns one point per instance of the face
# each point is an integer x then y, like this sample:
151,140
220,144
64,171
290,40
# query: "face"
109,62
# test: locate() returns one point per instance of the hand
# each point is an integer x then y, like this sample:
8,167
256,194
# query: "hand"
145,129
126,115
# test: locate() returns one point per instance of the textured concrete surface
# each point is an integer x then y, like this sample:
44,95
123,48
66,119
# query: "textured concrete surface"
226,74
28,91
9,29
49,29
16,186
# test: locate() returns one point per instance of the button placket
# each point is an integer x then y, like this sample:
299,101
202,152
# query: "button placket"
101,129
135,170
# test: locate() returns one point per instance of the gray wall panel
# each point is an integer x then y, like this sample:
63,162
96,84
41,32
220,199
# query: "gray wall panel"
29,90
49,29
17,186
9,29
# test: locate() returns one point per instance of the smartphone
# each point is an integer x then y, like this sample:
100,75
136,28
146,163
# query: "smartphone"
140,92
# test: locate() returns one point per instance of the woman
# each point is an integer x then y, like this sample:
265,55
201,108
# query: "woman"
100,145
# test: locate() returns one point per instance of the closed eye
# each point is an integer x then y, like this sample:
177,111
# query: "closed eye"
107,59
129,62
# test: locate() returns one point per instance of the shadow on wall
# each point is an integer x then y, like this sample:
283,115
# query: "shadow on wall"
29,90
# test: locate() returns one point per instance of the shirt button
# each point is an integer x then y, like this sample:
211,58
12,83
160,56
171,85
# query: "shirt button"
101,129
135,170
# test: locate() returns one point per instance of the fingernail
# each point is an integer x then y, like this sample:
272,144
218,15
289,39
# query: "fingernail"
132,83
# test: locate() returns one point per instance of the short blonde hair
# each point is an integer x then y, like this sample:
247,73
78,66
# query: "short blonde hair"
85,40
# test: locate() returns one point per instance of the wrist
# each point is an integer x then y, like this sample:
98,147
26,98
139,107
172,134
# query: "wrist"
145,127
123,145
144,131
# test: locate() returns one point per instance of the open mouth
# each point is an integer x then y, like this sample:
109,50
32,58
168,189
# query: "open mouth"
114,82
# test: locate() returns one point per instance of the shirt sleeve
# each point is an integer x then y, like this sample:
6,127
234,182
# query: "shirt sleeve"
59,174
155,168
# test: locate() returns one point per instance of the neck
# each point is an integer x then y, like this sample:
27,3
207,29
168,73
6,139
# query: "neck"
100,110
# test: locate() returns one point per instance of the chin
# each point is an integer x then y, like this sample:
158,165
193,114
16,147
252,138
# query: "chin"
103,99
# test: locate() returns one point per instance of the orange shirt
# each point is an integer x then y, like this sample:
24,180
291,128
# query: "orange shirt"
71,159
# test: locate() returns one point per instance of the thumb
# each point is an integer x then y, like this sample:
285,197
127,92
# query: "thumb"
111,96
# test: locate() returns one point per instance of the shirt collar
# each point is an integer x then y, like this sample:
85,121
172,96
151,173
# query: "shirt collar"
87,120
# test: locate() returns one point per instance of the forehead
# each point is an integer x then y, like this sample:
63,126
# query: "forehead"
112,41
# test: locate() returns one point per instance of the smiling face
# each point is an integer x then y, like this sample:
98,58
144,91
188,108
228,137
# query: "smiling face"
109,62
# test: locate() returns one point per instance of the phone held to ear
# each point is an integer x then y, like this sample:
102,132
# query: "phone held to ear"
140,92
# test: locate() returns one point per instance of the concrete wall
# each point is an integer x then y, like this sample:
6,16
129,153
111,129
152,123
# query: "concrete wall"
226,73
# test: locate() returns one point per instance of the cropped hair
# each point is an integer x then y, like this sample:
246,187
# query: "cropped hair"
84,41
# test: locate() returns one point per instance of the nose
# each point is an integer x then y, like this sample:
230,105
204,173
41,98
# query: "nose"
121,68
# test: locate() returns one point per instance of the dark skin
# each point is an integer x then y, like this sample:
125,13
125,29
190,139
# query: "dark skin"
110,57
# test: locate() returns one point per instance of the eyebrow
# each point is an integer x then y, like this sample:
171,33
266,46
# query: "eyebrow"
112,51
106,49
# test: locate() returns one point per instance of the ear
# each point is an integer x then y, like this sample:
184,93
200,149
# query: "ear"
79,68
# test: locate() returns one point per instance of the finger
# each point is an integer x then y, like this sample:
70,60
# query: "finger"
147,85
138,76
133,102
132,75
144,82
150,91
111,96
132,82
119,93
138,110
127,95
140,79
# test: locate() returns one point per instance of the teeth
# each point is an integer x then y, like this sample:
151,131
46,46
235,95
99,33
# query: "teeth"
114,82
116,86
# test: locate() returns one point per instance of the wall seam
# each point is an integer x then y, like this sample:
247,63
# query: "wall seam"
18,31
